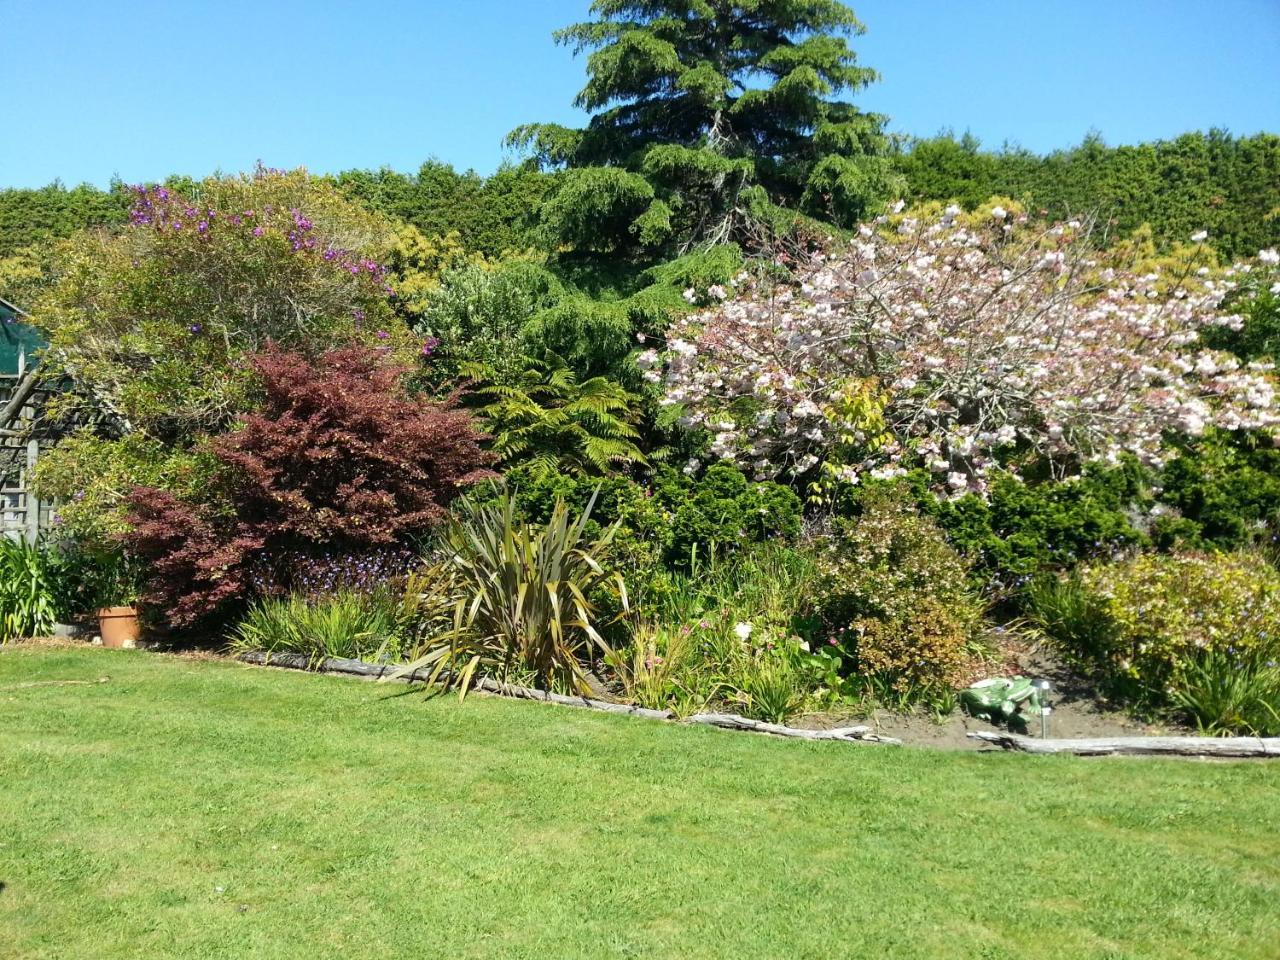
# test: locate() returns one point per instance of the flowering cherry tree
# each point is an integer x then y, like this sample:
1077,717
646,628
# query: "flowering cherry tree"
960,343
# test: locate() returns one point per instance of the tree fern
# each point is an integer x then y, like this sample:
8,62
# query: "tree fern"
578,427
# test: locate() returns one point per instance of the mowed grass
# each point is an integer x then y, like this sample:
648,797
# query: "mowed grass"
201,809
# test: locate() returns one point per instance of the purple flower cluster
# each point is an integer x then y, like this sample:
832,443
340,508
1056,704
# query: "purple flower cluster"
298,236
158,208
324,574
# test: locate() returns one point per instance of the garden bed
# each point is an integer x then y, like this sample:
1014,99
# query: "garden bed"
724,721
1078,726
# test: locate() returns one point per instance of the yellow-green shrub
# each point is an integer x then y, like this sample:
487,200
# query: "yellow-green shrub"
1166,611
922,652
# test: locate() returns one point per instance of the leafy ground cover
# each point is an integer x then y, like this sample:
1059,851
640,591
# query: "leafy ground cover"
194,808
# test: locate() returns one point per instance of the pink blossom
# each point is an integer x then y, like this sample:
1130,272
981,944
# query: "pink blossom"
938,344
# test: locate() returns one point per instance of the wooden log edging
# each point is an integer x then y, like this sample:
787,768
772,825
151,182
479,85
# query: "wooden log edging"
1234,747
529,693
725,721
731,721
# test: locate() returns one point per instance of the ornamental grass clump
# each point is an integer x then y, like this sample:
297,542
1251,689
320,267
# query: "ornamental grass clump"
728,634
1232,693
352,624
508,598
30,590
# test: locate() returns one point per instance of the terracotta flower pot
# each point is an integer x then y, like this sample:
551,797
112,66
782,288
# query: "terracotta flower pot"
119,627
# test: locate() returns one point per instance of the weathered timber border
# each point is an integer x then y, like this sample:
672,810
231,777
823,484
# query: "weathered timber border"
1233,747
724,721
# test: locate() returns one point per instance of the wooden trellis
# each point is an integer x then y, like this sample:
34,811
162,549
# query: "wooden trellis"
22,401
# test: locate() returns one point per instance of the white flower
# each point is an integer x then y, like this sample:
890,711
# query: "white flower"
999,212
899,206
1192,424
690,295
743,631
1200,236
683,348
1269,256
807,408
717,292
888,473
957,481
1206,366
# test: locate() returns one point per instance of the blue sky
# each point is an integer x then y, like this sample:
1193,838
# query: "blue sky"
93,89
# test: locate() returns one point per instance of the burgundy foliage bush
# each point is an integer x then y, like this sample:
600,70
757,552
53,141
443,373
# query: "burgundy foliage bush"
339,457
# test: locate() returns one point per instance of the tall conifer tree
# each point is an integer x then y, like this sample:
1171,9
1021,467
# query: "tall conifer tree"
709,117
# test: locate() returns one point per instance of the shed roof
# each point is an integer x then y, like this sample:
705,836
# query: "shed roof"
17,337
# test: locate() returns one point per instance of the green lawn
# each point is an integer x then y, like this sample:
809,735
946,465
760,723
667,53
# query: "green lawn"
199,809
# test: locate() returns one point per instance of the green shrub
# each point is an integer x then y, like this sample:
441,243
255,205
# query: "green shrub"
724,510
1222,492
478,314
349,624
1167,611
883,562
898,602
918,654
673,521
1027,527
1228,693
517,597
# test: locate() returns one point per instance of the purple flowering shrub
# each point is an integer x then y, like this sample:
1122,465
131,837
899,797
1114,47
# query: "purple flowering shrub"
154,319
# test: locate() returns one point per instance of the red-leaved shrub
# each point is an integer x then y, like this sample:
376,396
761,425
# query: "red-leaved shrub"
339,458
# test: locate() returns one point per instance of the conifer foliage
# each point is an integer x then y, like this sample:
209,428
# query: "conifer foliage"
708,115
